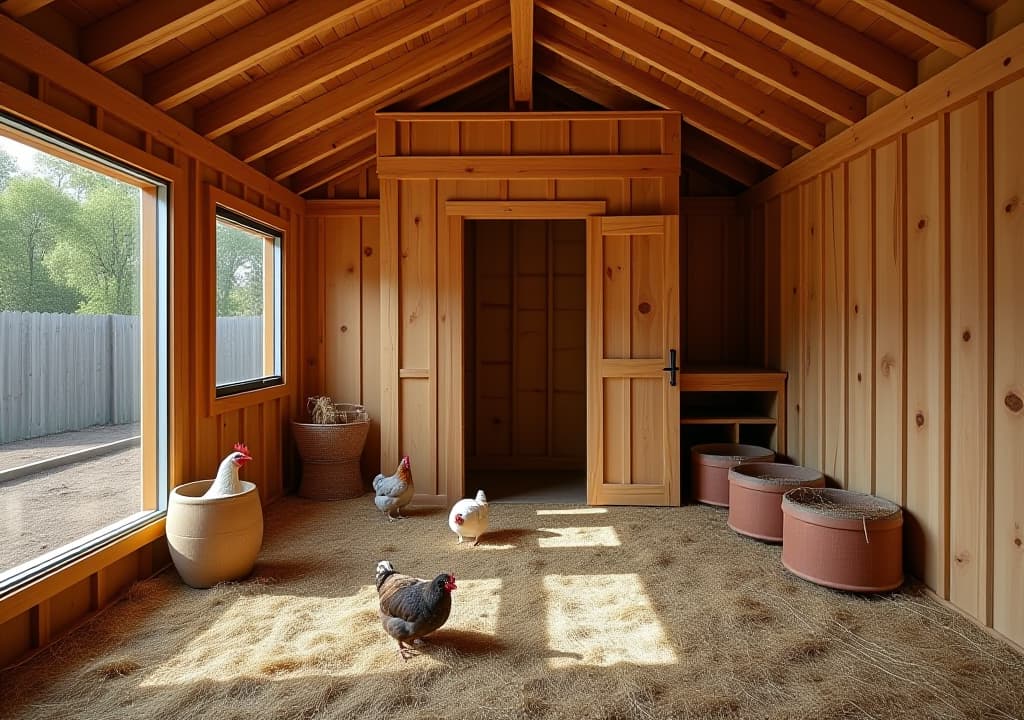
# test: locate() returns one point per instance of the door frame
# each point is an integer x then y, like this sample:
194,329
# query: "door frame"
451,404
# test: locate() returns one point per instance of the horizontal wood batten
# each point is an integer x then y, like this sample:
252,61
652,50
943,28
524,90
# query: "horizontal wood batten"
31,595
997,63
527,166
335,208
524,209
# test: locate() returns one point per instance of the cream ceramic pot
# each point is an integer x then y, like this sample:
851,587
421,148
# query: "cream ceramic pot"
216,539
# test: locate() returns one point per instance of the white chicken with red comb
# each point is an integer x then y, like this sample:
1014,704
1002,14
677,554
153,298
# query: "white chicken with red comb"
227,482
469,517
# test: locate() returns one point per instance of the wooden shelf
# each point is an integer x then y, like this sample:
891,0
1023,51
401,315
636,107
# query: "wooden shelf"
726,420
735,397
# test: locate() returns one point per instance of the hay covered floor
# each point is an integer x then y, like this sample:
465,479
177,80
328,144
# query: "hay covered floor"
562,612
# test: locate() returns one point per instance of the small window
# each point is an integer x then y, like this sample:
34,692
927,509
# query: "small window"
248,301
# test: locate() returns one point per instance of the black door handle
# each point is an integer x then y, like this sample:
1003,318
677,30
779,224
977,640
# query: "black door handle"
672,368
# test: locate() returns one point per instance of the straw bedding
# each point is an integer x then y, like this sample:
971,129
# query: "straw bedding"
623,613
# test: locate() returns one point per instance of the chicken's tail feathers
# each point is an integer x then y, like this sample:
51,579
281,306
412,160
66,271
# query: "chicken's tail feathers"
481,497
376,482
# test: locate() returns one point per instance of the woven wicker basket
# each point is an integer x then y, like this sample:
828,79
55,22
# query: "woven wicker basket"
330,457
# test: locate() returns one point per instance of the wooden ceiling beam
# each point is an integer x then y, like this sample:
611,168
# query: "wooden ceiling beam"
728,44
586,84
335,166
949,24
742,97
522,52
439,87
373,41
328,167
20,8
374,85
209,66
696,144
136,29
832,40
720,157
644,85
343,135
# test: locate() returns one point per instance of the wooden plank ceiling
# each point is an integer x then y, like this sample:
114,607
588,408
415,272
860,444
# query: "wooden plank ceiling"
291,87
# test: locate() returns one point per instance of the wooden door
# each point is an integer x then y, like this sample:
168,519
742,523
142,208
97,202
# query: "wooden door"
632,324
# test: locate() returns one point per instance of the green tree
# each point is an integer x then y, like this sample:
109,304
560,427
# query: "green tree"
100,259
34,216
8,169
239,271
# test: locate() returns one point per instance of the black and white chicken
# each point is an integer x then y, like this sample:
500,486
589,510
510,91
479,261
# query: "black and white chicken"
411,608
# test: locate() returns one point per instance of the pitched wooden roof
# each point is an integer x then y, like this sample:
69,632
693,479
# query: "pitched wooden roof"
291,87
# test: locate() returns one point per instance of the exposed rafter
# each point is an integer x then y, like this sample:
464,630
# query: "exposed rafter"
832,40
522,51
199,71
720,157
335,166
596,89
19,8
643,84
374,85
949,24
728,44
364,45
306,152
328,167
138,28
701,147
723,87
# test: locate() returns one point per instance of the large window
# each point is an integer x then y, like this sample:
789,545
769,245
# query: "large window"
248,302
83,347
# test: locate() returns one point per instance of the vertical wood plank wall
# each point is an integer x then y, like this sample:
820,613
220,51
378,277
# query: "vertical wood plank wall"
419,261
341,328
901,323
47,87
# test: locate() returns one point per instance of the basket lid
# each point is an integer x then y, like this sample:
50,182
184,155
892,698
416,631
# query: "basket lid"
774,477
726,455
841,508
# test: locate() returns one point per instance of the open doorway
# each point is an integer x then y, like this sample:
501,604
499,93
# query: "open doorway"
525,360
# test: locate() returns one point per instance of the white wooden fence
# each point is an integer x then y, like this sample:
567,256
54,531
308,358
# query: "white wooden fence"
68,372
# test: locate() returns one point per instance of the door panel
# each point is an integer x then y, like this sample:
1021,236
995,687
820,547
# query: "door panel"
633,321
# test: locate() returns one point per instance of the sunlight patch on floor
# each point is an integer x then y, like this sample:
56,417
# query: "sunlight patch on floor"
574,511
597,536
603,620
475,606
287,636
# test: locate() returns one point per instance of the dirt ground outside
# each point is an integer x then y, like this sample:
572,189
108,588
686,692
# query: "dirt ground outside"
46,510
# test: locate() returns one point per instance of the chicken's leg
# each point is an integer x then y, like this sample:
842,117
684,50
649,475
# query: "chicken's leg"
404,652
476,541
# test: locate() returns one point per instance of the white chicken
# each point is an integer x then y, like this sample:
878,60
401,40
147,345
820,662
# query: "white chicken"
469,517
227,482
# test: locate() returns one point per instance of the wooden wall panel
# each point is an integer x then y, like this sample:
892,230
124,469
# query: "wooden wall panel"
860,314
1008,367
889,423
834,359
934,314
811,329
94,111
969,253
926,496
790,331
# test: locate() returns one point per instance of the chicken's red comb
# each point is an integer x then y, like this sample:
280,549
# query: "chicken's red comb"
240,447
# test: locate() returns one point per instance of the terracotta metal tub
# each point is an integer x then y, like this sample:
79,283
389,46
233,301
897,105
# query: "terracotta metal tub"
755,496
842,539
710,465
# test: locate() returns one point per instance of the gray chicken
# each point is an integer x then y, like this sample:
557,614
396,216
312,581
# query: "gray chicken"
411,608
394,492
